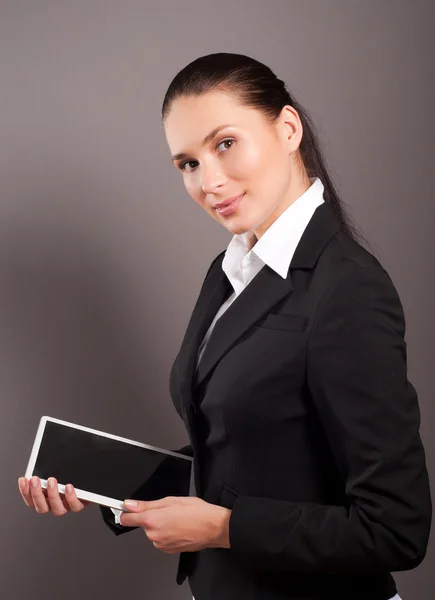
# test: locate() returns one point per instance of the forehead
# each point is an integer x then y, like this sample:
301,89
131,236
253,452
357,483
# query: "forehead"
191,118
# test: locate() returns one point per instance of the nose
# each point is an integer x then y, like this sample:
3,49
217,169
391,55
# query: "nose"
212,179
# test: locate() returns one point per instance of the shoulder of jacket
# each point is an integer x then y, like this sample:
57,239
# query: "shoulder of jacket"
348,266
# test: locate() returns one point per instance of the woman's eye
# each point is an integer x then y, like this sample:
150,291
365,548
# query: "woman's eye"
183,165
189,162
225,142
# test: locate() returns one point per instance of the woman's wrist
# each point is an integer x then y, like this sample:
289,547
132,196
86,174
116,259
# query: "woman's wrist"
220,537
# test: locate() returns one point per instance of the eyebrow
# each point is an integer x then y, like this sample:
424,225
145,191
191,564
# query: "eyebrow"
208,138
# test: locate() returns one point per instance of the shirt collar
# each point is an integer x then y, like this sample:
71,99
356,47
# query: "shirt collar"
278,243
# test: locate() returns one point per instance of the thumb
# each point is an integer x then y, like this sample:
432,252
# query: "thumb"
141,505
136,505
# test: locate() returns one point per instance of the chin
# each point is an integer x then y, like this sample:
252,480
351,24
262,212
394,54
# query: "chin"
240,229
237,226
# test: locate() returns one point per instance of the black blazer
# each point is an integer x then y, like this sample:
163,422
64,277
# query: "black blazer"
303,422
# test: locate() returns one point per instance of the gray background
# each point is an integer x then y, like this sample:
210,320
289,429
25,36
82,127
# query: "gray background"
102,251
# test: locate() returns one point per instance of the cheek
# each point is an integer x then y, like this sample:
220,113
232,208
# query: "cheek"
194,190
248,164
258,165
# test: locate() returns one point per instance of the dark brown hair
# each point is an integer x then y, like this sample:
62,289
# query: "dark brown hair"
256,86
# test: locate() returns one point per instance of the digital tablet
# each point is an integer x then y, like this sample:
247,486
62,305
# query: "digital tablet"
105,468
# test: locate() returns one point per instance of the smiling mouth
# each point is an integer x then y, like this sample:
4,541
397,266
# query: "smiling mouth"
230,208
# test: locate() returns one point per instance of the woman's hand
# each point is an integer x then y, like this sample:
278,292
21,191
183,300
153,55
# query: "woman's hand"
180,524
50,500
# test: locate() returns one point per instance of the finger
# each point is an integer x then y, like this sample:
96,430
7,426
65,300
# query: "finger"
129,519
74,503
39,500
136,505
142,505
57,507
24,487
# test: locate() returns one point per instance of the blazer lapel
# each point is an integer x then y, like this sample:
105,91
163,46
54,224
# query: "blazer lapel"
265,290
214,292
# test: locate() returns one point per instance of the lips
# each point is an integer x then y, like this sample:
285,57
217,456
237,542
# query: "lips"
227,202
229,209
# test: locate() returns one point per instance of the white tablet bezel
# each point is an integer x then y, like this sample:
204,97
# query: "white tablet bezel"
84,494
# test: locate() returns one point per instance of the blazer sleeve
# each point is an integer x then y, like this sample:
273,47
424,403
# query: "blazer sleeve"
109,517
357,379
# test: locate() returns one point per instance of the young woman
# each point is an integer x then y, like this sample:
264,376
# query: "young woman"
292,376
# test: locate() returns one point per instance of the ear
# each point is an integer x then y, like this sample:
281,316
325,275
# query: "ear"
290,128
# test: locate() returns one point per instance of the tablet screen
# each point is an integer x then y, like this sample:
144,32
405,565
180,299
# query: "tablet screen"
109,467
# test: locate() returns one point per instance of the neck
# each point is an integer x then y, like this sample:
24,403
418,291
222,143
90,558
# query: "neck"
299,186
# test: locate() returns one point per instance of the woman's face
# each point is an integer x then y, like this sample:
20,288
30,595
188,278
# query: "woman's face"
248,157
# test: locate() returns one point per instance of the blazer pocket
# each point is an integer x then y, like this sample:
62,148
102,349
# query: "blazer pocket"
228,496
285,322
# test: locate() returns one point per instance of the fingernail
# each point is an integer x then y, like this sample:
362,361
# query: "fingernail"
130,503
21,482
51,482
34,481
69,488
